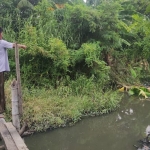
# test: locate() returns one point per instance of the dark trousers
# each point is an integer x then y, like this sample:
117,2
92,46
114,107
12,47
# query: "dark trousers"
2,95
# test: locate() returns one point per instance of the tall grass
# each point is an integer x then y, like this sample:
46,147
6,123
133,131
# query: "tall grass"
53,108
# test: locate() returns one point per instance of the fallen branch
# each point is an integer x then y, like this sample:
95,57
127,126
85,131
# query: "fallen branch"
23,129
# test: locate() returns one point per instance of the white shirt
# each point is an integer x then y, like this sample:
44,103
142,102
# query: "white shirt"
4,64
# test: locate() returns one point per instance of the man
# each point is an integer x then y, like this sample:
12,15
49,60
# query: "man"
4,65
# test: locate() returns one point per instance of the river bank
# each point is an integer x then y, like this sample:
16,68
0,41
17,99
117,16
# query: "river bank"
52,108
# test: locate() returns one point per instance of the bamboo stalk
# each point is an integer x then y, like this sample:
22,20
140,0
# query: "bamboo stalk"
18,79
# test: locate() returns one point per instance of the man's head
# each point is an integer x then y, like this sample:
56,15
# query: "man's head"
1,33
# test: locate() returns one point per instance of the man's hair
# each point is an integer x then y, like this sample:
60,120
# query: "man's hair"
1,30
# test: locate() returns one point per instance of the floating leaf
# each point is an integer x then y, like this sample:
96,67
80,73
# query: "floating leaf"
122,89
135,90
131,92
143,93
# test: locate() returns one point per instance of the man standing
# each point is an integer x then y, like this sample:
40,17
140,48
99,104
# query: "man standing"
4,65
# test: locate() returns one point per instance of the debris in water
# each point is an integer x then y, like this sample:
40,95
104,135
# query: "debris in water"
144,144
131,111
118,117
148,130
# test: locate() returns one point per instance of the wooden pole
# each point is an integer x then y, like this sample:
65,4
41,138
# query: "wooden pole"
18,79
15,108
2,95
2,147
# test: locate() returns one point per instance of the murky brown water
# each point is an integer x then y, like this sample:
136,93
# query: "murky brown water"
119,130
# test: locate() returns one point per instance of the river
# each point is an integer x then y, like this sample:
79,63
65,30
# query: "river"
119,130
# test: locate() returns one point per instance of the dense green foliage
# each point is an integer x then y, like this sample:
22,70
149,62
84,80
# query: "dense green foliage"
83,48
104,40
78,38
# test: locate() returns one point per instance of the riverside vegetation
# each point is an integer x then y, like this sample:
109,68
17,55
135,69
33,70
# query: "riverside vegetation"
78,55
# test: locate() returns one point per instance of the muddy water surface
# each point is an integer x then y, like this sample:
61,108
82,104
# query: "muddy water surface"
119,130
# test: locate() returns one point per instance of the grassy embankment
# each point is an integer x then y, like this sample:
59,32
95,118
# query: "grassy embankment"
53,108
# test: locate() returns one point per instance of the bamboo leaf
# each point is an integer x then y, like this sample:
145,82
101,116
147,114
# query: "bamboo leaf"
133,73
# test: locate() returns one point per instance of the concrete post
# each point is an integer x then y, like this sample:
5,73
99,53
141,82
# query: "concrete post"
15,105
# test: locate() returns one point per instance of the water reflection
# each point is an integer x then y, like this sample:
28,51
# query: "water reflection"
119,130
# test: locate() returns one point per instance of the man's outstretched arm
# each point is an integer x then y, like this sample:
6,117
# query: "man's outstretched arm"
20,46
